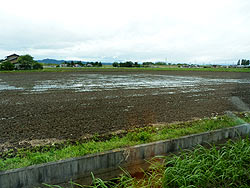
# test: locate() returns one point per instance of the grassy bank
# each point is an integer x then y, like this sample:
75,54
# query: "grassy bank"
224,165
43,154
113,69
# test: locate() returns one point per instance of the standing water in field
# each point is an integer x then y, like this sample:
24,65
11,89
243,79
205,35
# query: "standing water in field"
99,82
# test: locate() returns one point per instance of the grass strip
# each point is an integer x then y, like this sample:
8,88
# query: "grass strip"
121,69
29,157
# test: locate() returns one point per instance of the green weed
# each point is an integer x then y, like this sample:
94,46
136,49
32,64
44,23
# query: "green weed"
224,165
142,136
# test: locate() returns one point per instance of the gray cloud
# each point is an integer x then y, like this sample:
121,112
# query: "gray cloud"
179,31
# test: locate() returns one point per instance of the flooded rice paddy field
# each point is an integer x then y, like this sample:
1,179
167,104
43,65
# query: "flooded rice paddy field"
38,107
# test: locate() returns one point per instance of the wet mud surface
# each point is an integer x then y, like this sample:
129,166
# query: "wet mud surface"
72,105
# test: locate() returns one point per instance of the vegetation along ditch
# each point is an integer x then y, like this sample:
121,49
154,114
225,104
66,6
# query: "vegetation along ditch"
225,165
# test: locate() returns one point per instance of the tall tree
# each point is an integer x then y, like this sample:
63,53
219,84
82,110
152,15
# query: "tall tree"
27,62
238,62
115,64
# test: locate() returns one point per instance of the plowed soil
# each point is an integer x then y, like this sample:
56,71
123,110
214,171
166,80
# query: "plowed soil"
62,114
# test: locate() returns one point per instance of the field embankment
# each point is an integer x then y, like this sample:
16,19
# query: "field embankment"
99,143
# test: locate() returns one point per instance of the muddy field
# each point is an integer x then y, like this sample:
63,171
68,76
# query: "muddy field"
53,106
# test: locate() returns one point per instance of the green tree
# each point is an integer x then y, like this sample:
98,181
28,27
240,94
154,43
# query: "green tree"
95,64
238,62
115,64
160,63
72,64
37,66
100,64
128,64
243,62
7,65
137,64
27,62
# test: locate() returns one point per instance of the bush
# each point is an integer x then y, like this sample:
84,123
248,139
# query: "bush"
141,136
7,65
37,66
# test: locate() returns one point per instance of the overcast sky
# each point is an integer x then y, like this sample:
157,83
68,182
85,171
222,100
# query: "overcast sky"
195,31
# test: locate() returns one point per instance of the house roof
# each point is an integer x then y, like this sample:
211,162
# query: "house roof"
12,57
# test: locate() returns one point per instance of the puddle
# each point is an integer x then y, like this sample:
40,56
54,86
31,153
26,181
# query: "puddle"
4,101
5,86
6,118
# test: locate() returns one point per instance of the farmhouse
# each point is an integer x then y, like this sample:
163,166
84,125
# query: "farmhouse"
12,58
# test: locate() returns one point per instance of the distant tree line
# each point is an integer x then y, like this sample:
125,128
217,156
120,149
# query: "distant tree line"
136,64
126,64
243,62
24,62
152,64
82,64
94,64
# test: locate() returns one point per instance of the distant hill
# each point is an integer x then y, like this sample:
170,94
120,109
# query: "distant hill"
106,63
54,61
50,61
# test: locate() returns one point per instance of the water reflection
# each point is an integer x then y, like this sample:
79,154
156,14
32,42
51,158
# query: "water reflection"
99,82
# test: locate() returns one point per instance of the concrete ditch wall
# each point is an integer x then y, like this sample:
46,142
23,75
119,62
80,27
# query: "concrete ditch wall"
106,164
